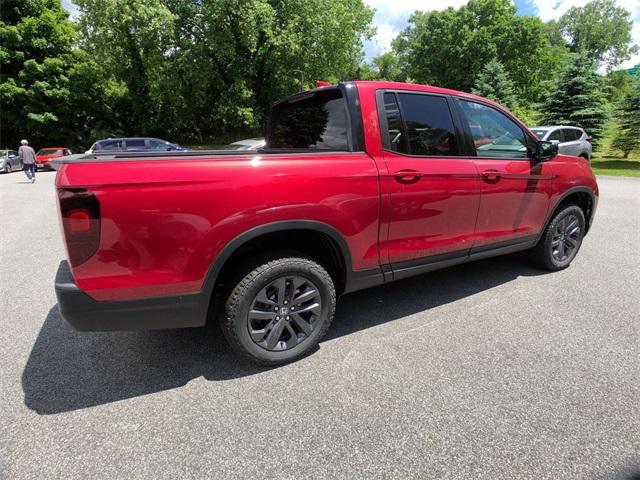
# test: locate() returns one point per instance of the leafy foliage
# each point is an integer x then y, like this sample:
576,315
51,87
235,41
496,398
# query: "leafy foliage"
194,68
197,70
449,48
601,29
577,98
50,91
385,66
493,82
628,119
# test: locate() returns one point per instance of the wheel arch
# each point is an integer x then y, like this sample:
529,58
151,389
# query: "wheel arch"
581,196
340,261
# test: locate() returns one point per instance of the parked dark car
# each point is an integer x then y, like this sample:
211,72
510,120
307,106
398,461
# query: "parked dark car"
9,161
135,144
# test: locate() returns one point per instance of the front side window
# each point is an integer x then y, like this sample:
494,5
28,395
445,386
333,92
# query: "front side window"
315,121
539,133
494,134
556,136
158,144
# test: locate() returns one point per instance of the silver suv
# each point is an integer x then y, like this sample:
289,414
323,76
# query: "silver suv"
571,140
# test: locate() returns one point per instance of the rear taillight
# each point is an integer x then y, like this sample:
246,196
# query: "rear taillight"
80,214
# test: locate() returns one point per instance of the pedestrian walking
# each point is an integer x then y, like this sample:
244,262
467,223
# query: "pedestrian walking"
28,158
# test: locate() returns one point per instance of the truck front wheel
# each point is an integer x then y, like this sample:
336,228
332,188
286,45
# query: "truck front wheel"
280,310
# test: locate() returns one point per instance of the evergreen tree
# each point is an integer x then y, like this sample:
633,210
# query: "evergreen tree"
628,118
577,98
493,82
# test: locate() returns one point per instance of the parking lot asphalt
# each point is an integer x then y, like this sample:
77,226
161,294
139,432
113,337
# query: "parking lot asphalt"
491,370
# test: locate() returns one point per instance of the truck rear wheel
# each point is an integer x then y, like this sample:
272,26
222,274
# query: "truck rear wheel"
280,310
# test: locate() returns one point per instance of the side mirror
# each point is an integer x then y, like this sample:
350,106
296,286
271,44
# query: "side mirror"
546,151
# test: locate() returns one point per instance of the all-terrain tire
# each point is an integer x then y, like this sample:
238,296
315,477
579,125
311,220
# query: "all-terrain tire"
561,239
262,283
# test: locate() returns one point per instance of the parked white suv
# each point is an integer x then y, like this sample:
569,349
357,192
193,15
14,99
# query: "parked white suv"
571,140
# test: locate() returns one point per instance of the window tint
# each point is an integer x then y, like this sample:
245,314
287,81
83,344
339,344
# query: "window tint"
138,143
571,134
158,144
395,128
555,135
429,124
315,121
109,145
494,134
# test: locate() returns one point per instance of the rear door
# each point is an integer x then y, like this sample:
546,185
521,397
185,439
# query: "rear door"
515,188
434,190
571,141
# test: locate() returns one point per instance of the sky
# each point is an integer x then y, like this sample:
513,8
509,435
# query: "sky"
391,17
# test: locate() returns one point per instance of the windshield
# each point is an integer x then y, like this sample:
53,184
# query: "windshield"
236,146
49,151
539,133
3,152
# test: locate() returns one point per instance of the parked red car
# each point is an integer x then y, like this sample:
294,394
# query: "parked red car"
45,155
359,184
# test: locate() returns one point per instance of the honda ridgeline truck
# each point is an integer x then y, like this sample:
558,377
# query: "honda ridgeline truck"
359,184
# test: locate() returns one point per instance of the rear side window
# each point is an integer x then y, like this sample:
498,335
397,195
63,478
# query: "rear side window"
138,143
315,121
395,128
572,134
419,124
494,134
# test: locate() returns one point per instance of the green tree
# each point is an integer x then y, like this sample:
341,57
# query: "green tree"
198,68
493,82
385,66
450,47
628,119
601,29
50,91
577,98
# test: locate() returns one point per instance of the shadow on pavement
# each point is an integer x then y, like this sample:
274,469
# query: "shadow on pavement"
69,370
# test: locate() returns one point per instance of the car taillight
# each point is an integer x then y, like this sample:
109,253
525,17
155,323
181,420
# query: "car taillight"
80,214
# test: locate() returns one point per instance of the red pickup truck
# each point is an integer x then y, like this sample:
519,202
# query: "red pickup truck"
359,184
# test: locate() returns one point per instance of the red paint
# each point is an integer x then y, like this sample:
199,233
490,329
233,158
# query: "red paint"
45,160
164,221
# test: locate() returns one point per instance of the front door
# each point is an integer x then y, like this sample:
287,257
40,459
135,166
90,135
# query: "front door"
515,188
434,192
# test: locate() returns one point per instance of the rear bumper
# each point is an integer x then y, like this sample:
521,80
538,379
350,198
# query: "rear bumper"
86,314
